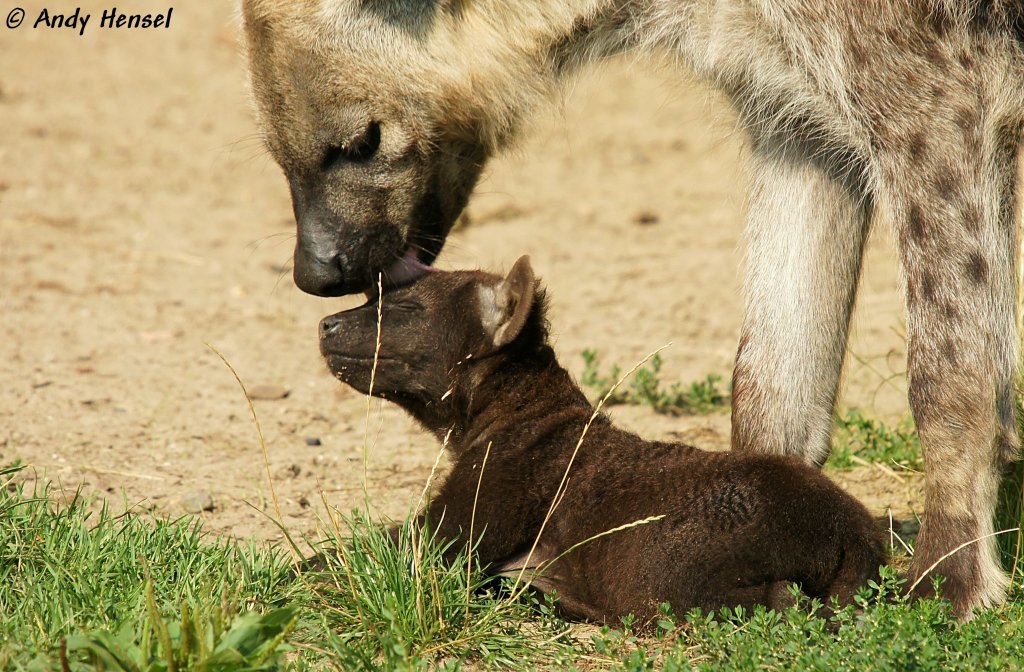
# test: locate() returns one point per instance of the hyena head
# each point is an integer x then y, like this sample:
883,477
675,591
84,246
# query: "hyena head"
382,124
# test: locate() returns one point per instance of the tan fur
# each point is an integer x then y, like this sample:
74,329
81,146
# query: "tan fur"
907,106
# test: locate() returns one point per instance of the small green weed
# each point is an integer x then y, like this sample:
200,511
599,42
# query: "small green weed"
859,440
198,640
647,389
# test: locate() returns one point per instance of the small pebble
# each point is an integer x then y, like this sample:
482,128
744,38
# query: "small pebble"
646,218
268,392
197,501
313,441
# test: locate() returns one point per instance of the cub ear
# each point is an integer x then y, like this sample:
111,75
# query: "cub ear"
505,307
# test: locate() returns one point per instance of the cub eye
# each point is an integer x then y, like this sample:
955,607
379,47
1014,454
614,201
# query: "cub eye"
406,305
358,149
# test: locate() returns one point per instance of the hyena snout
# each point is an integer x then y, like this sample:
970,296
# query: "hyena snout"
321,267
319,271
335,255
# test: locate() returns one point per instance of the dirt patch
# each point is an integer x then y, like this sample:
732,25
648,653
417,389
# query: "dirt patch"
141,222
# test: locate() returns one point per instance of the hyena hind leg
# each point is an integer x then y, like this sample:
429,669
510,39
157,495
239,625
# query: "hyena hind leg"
957,240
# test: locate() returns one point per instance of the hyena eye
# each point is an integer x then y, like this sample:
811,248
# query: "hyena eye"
358,149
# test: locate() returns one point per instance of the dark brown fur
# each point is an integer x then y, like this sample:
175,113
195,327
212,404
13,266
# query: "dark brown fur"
467,352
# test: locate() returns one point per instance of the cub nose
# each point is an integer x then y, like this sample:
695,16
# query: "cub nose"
329,325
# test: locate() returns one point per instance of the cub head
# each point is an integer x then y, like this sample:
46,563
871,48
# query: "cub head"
434,333
381,114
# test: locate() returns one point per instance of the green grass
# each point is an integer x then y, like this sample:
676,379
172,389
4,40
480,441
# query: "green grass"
386,605
82,586
883,631
119,592
859,440
647,389
139,590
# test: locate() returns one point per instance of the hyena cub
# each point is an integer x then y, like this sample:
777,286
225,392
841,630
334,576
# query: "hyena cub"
468,353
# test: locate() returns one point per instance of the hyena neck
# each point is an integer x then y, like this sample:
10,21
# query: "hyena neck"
601,30
509,401
519,54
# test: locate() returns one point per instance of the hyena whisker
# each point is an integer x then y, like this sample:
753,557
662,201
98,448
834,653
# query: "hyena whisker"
255,245
285,269
250,141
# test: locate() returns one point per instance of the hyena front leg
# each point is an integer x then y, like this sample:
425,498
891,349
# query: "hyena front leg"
955,215
806,228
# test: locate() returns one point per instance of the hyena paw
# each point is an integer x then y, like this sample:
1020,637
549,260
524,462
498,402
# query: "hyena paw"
971,579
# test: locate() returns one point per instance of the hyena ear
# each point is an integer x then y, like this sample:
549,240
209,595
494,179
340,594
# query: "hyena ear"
505,307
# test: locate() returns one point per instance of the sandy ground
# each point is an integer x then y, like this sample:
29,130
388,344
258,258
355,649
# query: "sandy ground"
142,225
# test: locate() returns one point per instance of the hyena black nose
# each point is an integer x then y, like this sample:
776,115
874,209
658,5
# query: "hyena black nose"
329,325
321,274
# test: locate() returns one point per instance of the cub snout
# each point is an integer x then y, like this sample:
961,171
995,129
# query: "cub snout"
328,326
347,334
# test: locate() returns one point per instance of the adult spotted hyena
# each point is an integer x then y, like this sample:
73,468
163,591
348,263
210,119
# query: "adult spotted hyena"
382,114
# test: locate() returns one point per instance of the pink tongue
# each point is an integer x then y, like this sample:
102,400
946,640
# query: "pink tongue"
406,269
402,272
